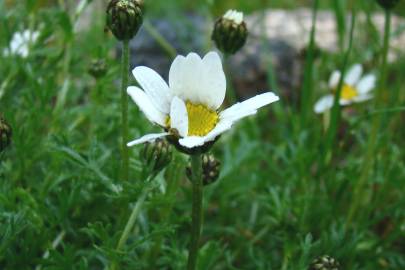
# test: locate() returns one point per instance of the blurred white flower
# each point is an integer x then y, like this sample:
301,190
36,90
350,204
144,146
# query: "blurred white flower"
188,107
234,15
21,42
355,89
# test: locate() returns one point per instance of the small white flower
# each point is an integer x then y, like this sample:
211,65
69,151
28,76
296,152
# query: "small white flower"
189,106
355,89
234,15
20,43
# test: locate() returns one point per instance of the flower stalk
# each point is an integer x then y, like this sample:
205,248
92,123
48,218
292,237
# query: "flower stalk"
197,215
124,109
372,143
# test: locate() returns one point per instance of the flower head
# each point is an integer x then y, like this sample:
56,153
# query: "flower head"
230,32
20,43
124,18
324,263
355,89
210,169
188,108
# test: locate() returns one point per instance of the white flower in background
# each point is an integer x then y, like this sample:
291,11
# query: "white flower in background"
20,43
355,89
188,107
234,15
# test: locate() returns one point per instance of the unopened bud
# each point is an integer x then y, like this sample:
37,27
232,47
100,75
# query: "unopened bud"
5,134
98,68
325,263
124,18
156,155
388,4
210,169
230,32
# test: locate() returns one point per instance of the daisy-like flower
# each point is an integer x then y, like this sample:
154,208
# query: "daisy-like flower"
355,89
188,107
20,43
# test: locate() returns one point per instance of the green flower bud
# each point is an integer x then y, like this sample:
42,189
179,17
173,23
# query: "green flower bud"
325,263
98,68
388,4
210,169
230,32
156,155
5,134
124,18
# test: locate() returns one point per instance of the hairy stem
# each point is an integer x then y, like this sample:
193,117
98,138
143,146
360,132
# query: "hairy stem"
124,109
196,166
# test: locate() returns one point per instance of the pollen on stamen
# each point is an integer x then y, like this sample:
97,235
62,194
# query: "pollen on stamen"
348,92
201,120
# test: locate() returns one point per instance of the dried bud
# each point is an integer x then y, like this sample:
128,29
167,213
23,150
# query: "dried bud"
124,18
210,169
230,32
388,4
157,155
5,134
325,263
98,68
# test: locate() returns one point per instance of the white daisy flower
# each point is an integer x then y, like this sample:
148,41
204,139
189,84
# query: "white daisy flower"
188,107
234,15
20,43
355,89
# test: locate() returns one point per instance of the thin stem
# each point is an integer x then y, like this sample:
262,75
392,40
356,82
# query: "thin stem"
309,67
169,49
231,93
197,215
335,116
124,109
130,224
372,143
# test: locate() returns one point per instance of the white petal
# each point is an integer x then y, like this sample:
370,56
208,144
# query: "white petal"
212,86
194,141
155,87
334,79
324,104
366,84
179,116
353,75
185,77
147,138
362,98
248,107
146,106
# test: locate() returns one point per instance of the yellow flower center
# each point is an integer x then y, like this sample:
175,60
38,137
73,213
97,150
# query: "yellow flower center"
348,92
201,120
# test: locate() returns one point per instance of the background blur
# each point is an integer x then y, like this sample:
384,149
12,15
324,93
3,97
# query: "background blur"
275,205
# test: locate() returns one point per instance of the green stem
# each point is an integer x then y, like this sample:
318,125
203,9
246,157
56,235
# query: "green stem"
231,91
372,143
124,109
306,96
169,49
130,223
335,115
197,215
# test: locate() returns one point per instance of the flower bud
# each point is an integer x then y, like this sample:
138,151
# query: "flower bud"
388,4
97,68
5,134
210,169
325,263
124,18
156,155
230,32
